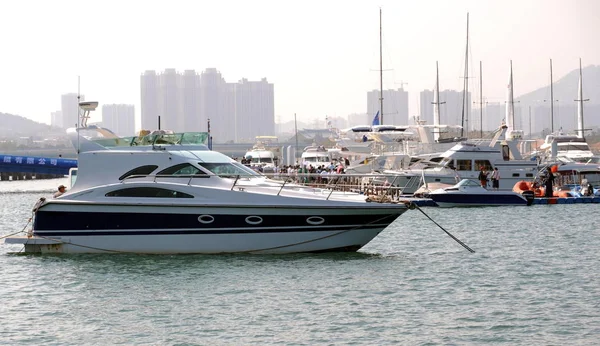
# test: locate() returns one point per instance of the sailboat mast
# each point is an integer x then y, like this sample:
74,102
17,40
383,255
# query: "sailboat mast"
480,100
551,100
436,105
380,71
580,101
465,119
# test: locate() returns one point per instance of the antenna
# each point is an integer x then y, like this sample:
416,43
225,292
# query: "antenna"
551,100
465,119
480,100
296,130
78,115
380,71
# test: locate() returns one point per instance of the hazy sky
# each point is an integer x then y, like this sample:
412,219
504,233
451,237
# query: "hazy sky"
322,56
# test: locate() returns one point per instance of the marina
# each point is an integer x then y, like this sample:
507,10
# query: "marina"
409,285
266,174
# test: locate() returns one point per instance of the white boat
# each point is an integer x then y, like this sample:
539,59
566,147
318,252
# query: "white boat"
464,160
563,147
168,194
470,193
316,156
262,157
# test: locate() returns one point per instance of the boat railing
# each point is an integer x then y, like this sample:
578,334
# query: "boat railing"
366,184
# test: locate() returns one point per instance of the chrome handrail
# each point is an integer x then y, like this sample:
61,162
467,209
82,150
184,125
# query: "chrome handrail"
369,183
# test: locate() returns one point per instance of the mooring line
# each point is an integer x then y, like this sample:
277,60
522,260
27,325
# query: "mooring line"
412,205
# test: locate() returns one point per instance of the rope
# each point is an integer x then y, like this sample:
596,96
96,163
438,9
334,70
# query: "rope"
23,230
412,205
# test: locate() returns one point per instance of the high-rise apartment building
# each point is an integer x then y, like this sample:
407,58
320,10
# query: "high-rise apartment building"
56,119
186,102
190,87
150,89
70,110
212,106
255,114
119,118
395,106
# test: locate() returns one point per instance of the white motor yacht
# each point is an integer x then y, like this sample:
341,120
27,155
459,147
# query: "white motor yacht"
464,161
168,194
262,157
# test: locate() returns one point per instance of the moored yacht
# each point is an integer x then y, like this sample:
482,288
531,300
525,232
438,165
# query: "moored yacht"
470,193
464,161
262,157
168,193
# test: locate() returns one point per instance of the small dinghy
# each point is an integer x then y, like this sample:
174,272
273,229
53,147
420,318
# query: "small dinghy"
469,193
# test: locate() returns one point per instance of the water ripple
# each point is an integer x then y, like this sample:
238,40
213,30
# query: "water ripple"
533,279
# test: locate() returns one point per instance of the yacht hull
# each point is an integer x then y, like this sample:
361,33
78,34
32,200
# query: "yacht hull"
73,228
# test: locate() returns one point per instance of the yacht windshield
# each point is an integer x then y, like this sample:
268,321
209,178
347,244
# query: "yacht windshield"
578,146
229,169
317,159
262,160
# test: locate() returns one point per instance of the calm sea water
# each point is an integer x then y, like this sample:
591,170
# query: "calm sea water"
534,279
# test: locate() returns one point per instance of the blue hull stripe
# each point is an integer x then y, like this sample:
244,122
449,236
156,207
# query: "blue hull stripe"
47,221
212,231
479,199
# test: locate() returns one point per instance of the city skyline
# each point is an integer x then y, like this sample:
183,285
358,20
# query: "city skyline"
186,102
319,69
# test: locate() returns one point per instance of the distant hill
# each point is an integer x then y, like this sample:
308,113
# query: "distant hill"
12,126
566,88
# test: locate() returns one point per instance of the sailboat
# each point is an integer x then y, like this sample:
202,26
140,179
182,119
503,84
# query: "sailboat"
574,147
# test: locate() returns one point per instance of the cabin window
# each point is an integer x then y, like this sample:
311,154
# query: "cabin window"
139,171
464,165
483,163
227,169
516,175
151,192
529,175
182,169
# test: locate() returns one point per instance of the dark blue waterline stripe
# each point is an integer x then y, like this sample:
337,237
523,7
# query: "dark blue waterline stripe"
63,221
212,231
476,199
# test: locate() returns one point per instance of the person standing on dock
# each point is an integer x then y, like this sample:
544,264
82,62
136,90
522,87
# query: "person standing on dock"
495,179
549,183
483,177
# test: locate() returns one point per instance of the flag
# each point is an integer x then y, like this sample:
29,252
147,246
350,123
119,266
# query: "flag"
376,119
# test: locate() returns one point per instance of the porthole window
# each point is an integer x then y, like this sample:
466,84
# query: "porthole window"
254,220
206,219
315,220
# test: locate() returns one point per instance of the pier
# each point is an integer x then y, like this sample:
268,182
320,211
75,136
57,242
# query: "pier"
22,167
